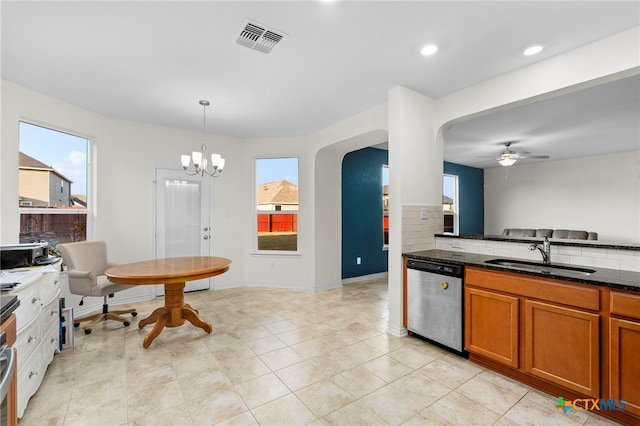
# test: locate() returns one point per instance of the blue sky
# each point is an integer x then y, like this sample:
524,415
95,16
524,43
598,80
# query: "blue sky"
273,169
66,153
448,187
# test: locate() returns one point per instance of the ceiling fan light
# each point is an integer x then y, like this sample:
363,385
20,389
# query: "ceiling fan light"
507,161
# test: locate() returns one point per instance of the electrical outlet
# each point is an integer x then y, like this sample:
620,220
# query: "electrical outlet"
358,260
424,213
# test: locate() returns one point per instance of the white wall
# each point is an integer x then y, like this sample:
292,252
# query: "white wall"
124,155
599,194
127,153
279,270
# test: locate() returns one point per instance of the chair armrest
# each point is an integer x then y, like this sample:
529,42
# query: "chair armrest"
79,275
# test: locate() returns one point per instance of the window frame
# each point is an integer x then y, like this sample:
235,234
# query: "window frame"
255,247
87,211
385,202
456,203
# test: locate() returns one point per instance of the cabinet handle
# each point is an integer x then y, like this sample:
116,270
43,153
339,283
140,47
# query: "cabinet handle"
53,312
33,373
31,339
34,300
444,285
53,340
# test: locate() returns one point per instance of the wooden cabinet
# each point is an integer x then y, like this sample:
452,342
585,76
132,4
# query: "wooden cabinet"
624,347
492,324
37,321
562,346
571,340
542,328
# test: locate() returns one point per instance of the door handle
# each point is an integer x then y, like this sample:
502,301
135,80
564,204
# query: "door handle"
444,285
206,237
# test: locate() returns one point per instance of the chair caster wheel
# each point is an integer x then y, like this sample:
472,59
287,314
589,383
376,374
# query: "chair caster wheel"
127,323
134,314
76,324
87,331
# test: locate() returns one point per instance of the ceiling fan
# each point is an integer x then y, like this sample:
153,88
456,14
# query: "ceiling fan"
509,157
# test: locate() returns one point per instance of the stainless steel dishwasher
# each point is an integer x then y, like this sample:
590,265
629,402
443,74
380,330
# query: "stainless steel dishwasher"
435,303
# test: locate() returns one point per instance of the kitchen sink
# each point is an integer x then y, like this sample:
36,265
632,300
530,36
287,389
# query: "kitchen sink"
539,267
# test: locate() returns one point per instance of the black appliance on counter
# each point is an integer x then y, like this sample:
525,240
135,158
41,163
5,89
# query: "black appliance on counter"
21,255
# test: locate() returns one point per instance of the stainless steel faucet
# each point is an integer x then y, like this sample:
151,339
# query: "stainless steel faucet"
545,250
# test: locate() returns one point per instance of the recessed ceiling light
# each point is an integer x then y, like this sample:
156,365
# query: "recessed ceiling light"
533,50
429,50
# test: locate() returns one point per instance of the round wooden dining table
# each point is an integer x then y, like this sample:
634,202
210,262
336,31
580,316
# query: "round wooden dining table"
173,273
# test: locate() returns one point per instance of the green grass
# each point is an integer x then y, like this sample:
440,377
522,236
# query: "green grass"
284,242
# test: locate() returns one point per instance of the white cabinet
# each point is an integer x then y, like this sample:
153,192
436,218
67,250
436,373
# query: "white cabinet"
37,322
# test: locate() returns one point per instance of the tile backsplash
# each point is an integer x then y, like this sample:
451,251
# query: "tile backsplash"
583,256
419,224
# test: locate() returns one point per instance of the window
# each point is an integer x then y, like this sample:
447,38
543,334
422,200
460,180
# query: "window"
276,198
450,203
52,194
385,206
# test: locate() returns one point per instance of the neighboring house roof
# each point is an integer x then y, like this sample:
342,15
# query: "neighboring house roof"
27,162
80,199
278,192
447,200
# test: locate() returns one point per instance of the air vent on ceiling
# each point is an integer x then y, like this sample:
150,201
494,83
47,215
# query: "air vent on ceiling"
259,37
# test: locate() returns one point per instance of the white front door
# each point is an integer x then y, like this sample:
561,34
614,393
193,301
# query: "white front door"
182,219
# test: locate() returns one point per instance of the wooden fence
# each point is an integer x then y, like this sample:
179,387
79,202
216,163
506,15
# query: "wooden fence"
284,222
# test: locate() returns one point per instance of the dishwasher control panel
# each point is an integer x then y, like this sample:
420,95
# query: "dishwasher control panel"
435,267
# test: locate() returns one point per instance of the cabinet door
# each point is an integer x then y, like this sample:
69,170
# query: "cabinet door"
624,368
562,346
491,323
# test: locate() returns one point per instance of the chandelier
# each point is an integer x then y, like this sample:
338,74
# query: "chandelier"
199,158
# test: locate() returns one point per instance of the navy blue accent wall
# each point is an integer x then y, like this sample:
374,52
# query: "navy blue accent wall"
471,194
362,212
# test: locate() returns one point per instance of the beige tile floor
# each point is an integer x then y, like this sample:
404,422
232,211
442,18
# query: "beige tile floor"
280,357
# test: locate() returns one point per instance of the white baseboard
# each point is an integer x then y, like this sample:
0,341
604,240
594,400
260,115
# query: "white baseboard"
92,308
376,276
87,308
397,332
285,286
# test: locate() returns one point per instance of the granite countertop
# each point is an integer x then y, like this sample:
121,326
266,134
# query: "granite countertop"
614,278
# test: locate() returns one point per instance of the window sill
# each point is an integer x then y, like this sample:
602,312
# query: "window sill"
275,253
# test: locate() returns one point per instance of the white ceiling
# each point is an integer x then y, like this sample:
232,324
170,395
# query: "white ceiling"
153,61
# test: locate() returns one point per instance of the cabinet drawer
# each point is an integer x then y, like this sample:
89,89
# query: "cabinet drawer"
50,286
625,304
29,379
50,314
546,289
50,344
29,305
27,341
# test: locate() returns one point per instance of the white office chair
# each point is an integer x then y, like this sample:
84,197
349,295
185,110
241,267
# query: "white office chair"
86,264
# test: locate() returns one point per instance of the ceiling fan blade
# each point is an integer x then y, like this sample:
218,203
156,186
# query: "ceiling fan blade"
539,157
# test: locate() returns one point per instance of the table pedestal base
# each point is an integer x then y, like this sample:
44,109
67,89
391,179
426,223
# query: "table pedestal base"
172,314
